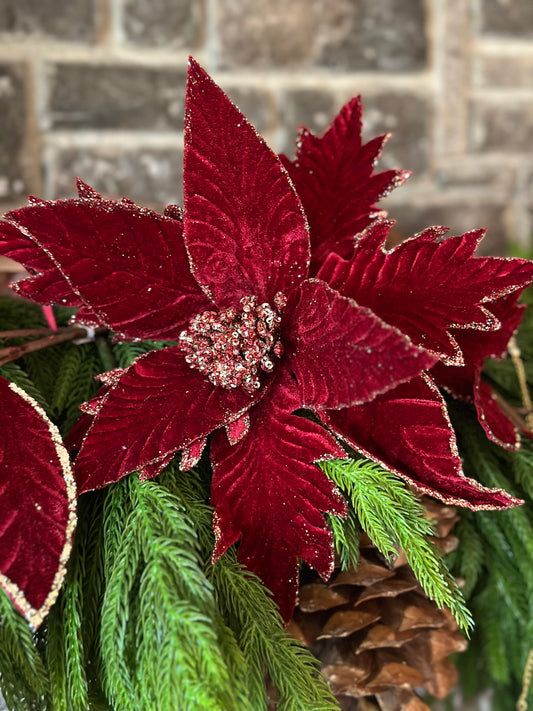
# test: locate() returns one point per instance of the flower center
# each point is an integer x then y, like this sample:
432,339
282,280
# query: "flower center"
231,346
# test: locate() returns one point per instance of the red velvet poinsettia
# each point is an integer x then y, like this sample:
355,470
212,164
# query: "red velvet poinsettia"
257,338
37,504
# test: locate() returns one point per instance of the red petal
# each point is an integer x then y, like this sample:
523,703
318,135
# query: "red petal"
428,285
85,191
38,505
333,177
48,286
238,429
159,406
343,354
244,225
266,491
127,264
407,430
192,454
498,427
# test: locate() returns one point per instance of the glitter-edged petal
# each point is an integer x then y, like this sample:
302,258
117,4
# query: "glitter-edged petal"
498,427
126,264
267,492
46,285
158,406
428,285
37,505
333,177
244,226
408,431
342,354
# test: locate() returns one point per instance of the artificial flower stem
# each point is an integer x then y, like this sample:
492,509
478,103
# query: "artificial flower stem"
12,353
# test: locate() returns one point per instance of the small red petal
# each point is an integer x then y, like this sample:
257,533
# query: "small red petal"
128,265
266,491
408,431
238,429
342,354
244,225
159,406
191,455
333,177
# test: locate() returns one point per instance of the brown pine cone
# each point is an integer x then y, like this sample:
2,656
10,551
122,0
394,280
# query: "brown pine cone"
378,636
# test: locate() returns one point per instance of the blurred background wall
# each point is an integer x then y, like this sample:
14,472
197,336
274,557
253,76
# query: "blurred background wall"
95,88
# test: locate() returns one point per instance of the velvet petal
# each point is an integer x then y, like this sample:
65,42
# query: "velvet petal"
465,383
267,492
341,353
46,285
158,406
333,177
244,226
428,285
37,505
127,264
407,430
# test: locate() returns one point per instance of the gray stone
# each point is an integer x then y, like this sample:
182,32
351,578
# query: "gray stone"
502,126
345,35
408,117
13,112
460,216
314,109
506,71
507,17
258,105
116,96
164,23
147,176
64,19
387,36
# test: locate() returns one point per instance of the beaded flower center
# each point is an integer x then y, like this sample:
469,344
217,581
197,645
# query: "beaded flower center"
231,346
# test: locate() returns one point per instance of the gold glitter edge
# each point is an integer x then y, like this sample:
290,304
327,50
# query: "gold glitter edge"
35,617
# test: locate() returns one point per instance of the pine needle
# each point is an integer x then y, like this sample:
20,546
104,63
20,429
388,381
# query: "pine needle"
393,518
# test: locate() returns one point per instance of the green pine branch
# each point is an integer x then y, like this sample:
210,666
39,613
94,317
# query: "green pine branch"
394,518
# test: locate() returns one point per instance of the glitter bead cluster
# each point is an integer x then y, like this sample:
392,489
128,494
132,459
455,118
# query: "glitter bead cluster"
231,346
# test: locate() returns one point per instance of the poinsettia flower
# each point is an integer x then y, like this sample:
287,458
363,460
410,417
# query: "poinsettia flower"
257,339
37,505
459,307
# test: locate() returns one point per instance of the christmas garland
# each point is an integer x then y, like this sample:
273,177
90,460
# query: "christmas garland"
262,379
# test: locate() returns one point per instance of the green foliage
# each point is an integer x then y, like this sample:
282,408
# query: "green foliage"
23,678
394,518
495,558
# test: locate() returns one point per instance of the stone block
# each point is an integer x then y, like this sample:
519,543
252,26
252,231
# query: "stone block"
408,117
460,215
13,112
314,109
506,72
113,96
345,35
502,126
147,176
385,36
258,105
72,20
513,18
163,23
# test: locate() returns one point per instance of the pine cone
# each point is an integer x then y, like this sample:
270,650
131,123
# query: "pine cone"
377,635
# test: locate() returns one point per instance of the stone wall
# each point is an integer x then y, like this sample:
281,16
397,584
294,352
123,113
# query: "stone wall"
95,88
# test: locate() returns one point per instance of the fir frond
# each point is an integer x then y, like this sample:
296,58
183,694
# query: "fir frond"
254,618
23,677
125,352
252,615
15,374
346,538
393,517
470,554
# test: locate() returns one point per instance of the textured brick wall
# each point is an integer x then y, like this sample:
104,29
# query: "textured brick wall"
95,88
